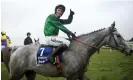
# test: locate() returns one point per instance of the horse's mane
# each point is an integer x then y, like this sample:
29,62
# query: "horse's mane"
91,32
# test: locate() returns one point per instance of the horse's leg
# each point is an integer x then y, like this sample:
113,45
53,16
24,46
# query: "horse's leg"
6,58
15,73
30,75
2,56
84,77
69,79
16,77
6,63
73,77
7,67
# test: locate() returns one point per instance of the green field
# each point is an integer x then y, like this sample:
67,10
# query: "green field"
103,66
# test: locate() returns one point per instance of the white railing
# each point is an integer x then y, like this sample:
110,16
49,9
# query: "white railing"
130,44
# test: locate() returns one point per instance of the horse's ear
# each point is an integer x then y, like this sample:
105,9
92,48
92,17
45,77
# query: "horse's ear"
38,39
113,25
34,39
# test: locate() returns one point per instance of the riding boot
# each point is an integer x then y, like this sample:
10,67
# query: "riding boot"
58,51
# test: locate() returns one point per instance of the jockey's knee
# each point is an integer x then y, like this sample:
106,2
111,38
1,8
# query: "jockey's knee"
67,43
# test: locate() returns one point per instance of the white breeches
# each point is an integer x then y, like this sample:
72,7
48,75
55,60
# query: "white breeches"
2,47
56,41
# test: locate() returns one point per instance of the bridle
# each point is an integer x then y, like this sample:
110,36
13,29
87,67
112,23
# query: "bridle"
116,43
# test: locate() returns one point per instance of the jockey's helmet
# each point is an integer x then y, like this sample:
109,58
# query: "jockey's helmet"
3,33
61,7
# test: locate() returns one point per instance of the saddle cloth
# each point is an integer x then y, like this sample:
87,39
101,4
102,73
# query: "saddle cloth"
43,52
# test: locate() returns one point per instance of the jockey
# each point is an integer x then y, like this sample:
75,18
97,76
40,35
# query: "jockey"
52,26
28,40
5,40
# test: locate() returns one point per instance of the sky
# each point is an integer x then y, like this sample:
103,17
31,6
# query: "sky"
21,16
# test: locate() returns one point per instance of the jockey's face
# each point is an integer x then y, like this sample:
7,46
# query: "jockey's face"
28,35
59,12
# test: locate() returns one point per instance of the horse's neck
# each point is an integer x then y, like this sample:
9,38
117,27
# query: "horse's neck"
93,39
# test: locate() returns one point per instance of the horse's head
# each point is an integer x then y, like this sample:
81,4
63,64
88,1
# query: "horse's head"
116,41
37,41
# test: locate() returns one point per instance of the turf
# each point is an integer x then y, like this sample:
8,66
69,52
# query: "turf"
104,66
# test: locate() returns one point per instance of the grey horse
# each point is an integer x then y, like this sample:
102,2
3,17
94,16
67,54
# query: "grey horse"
75,59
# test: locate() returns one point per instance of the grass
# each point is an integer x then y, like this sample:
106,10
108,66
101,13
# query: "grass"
103,66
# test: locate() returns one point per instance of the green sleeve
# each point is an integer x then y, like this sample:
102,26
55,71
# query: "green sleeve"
67,21
56,22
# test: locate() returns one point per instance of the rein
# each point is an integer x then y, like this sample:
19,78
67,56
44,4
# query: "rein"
84,42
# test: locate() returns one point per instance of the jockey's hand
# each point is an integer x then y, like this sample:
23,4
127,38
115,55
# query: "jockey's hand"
71,12
73,36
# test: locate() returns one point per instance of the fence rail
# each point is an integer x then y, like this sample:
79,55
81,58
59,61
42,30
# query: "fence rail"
130,44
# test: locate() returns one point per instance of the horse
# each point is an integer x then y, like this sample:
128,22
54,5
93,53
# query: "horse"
74,60
7,51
